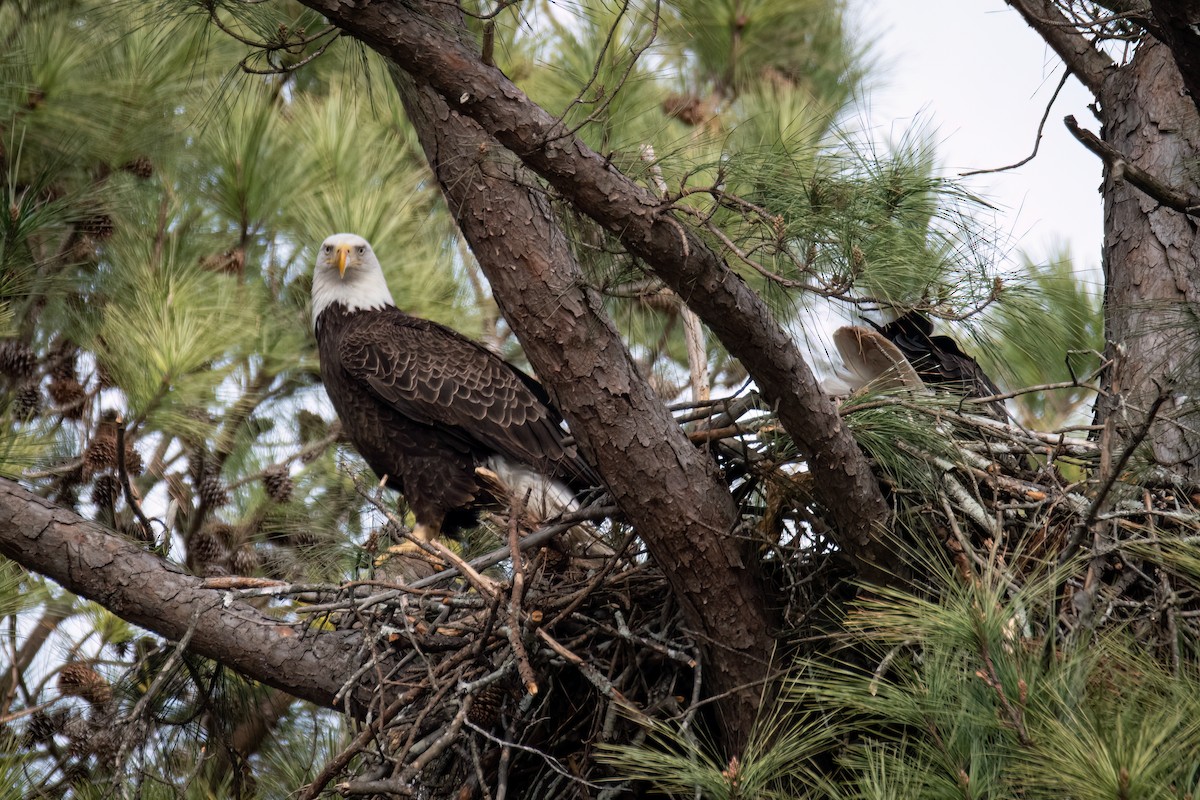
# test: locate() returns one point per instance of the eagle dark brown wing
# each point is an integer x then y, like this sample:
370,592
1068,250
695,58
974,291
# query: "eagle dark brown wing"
938,360
435,376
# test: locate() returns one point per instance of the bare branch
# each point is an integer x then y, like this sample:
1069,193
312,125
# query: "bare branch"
1123,169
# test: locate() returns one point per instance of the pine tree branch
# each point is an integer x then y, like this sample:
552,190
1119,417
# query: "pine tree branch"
1088,63
432,54
141,588
1124,169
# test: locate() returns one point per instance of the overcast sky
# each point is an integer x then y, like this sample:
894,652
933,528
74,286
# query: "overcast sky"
976,76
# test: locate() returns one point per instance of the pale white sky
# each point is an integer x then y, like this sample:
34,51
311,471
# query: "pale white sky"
976,76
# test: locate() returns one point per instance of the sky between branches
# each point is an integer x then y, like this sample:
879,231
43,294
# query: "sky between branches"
974,75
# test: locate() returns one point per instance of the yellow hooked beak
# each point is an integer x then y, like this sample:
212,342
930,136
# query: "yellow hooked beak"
342,252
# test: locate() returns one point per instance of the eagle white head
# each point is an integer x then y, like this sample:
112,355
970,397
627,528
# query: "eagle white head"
348,272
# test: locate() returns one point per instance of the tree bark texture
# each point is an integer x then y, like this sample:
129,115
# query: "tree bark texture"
141,588
670,490
1152,260
1151,252
431,50
1178,22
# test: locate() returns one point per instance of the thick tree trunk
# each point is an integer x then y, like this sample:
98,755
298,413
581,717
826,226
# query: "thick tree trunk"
1151,236
1152,261
668,489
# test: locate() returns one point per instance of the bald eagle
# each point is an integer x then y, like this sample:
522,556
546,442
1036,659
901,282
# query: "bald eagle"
938,360
440,418
904,353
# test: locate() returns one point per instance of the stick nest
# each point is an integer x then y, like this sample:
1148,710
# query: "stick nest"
517,672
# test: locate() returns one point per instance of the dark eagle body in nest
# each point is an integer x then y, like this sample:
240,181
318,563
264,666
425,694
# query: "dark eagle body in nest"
905,354
439,415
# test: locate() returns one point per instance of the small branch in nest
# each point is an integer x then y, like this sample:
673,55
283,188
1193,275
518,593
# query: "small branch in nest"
602,684
551,762
524,668
1121,169
1111,478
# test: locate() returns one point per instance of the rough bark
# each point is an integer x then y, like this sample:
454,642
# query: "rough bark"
1152,260
430,50
143,589
1151,252
667,488
1177,23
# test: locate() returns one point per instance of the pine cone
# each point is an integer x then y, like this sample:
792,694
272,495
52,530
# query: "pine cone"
63,357
278,483
27,401
79,733
211,488
486,708
67,394
101,455
231,262
43,726
16,359
141,166
208,550
106,491
245,561
80,680
133,460
99,226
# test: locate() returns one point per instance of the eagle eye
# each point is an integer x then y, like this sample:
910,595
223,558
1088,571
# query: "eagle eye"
328,248
361,249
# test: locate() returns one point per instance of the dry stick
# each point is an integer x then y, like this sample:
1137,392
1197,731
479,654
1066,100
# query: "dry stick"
602,684
524,668
1111,479
1036,142
339,762
549,759
1122,170
594,583
1170,598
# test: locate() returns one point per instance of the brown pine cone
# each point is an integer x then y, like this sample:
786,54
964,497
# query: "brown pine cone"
141,166
28,401
16,359
245,561
278,483
487,705
80,680
101,454
43,726
211,488
105,491
133,460
67,394
208,550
